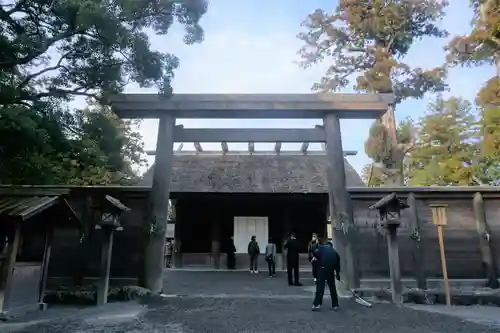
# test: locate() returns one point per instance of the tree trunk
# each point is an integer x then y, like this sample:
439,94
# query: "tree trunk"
395,174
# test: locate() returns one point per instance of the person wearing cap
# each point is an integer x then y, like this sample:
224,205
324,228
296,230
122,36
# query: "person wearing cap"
292,260
328,261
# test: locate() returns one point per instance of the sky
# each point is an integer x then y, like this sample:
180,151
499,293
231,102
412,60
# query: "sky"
251,46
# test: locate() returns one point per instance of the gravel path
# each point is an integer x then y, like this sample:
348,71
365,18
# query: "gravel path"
236,302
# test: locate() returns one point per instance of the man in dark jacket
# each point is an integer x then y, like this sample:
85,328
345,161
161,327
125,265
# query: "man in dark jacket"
313,244
230,254
292,261
329,267
253,253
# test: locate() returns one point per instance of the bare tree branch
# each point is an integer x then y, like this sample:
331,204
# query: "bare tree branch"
45,70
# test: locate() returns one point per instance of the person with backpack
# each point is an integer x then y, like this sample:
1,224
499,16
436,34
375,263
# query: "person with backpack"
328,261
253,253
270,256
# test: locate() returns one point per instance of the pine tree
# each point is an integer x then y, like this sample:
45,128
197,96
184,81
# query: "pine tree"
369,40
482,46
445,150
487,171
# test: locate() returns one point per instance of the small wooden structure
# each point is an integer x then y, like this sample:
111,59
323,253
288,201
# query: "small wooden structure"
389,209
109,210
16,208
440,219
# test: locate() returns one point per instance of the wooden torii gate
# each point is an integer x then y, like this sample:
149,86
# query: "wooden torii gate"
329,107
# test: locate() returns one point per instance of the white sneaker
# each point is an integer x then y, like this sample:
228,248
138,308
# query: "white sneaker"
251,272
256,272
315,280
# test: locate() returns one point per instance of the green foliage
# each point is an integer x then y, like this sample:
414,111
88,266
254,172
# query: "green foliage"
52,51
445,152
87,47
51,145
372,176
378,146
369,39
366,42
488,166
482,44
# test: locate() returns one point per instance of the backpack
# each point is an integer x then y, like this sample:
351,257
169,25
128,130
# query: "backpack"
253,248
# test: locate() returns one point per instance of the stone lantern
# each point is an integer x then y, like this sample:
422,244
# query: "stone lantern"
389,211
109,210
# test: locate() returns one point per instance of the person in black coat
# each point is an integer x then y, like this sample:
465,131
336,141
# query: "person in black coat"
230,254
328,261
292,260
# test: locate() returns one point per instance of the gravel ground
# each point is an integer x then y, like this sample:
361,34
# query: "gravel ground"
237,302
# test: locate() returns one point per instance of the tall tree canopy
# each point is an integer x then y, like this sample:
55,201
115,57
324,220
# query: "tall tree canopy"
87,47
52,51
445,151
366,42
481,46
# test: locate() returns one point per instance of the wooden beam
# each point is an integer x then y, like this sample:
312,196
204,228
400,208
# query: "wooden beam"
9,263
249,135
105,266
157,213
394,267
253,106
44,272
216,238
198,147
225,148
259,152
179,149
251,147
177,255
484,241
277,147
343,229
440,219
304,147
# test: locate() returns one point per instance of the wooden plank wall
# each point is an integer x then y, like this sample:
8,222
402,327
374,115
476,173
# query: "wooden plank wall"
492,208
461,237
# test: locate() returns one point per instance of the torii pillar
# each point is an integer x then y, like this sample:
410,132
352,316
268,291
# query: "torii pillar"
343,229
157,213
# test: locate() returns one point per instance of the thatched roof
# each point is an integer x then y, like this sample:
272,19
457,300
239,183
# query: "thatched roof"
251,173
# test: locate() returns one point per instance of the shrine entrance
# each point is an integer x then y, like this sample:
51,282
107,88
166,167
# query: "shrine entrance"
328,107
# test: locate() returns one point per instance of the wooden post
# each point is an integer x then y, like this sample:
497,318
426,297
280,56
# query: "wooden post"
328,221
484,241
339,201
439,219
44,274
104,271
177,254
216,224
286,234
392,247
157,214
10,262
417,251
